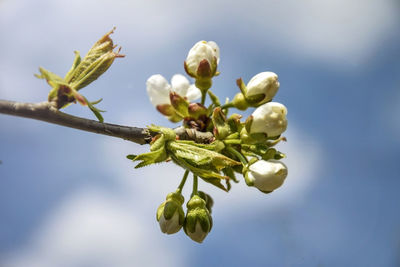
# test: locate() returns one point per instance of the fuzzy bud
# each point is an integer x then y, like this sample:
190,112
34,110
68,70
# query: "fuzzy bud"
198,221
170,214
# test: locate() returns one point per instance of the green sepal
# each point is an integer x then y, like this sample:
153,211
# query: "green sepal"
247,179
239,102
174,201
197,213
259,137
207,198
248,123
279,155
214,98
234,123
166,109
242,86
221,127
255,100
180,104
197,110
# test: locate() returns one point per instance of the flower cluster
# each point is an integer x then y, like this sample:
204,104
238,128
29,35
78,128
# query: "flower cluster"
235,147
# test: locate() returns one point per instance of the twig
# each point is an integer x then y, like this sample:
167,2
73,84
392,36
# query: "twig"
45,111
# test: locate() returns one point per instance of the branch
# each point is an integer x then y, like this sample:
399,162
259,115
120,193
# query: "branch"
45,111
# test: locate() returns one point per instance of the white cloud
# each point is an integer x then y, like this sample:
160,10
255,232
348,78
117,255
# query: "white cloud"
94,228
336,31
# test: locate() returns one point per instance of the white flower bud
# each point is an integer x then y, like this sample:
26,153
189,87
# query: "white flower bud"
159,89
269,118
264,83
198,221
266,175
202,60
171,226
170,214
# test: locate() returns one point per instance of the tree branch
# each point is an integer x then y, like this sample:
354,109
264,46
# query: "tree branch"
45,111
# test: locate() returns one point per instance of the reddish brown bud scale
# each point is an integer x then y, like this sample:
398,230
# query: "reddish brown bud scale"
204,69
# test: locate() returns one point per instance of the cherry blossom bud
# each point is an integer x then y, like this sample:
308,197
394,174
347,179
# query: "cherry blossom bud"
266,175
269,118
265,84
198,221
202,62
170,214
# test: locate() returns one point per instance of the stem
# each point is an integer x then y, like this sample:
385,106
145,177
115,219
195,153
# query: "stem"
232,141
239,155
195,184
183,181
203,97
45,111
227,105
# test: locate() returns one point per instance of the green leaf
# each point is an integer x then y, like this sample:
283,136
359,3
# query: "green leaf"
151,158
76,62
94,64
95,110
200,156
131,156
230,173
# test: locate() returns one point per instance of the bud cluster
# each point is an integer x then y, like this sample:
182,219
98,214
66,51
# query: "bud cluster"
244,147
197,222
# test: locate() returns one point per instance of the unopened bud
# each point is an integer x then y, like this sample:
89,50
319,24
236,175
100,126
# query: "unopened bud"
198,221
170,214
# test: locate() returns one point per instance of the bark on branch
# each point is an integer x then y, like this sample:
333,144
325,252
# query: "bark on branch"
45,111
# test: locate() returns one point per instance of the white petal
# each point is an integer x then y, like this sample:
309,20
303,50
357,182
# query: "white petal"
158,90
180,84
198,235
170,226
193,93
215,47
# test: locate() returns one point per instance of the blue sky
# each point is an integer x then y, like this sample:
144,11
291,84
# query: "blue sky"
70,198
